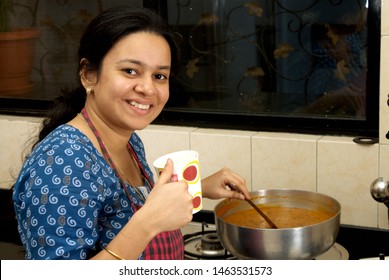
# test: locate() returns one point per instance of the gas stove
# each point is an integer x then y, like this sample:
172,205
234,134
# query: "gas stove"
353,243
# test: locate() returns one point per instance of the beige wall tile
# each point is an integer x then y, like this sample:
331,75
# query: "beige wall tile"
345,172
161,140
281,160
13,146
223,148
383,218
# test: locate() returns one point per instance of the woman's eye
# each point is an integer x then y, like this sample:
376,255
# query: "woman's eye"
130,71
161,77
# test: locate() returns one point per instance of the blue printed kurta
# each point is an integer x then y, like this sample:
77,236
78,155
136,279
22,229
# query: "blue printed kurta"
68,201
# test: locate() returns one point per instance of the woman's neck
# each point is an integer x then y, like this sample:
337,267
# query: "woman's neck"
115,138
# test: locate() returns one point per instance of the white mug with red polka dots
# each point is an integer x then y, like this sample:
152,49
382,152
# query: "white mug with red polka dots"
186,167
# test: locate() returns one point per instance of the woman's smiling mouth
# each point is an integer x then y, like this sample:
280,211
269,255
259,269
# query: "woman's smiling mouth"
139,106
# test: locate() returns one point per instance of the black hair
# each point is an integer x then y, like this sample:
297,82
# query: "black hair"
99,37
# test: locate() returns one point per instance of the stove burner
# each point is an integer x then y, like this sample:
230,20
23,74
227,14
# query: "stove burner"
205,245
210,244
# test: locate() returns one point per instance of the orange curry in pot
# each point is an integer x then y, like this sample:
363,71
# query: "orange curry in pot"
283,217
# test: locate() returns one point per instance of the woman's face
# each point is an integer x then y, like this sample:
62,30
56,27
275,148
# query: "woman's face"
132,86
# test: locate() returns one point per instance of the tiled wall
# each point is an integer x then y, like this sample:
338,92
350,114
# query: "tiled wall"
335,166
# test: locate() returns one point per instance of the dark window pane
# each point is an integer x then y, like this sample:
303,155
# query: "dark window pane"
298,65
287,65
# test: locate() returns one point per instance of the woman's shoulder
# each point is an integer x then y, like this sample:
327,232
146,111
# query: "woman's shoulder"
63,137
64,143
67,134
65,152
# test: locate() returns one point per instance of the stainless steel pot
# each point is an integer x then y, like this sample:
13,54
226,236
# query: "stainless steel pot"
305,242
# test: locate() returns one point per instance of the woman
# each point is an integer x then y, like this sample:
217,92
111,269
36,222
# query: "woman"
85,190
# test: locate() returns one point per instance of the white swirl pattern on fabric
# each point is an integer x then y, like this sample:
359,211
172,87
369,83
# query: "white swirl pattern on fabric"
69,202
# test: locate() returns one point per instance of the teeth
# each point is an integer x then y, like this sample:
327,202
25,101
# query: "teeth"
140,106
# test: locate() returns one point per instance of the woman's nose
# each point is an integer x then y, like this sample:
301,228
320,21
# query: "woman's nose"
146,86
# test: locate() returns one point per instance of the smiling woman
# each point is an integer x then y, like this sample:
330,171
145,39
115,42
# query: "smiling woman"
134,72
86,190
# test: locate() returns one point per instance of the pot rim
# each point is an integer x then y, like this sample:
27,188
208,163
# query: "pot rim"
301,192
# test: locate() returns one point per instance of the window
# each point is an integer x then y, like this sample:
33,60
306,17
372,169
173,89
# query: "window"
54,61
285,65
307,66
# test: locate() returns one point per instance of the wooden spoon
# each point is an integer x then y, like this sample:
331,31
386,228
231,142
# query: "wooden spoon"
272,225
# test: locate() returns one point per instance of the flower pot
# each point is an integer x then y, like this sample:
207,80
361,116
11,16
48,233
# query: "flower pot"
17,50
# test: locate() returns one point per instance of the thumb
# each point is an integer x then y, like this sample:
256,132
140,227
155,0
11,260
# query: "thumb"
166,173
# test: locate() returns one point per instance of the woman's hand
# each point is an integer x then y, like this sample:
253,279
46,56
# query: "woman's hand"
216,185
169,204
168,207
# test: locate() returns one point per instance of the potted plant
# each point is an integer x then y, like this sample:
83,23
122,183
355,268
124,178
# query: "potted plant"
17,48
